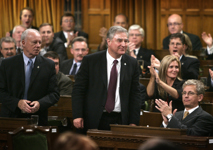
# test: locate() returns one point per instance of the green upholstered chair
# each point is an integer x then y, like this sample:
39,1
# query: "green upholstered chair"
31,138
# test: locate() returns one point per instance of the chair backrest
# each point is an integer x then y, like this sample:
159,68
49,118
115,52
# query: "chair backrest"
32,137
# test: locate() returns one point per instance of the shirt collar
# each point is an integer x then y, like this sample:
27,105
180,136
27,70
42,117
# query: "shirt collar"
26,59
191,110
111,59
77,63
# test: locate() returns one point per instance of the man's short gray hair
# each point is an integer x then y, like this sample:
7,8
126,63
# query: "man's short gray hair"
7,40
25,33
137,27
200,88
14,29
115,29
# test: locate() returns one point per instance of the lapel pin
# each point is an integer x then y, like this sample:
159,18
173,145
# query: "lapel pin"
182,63
141,56
125,64
38,67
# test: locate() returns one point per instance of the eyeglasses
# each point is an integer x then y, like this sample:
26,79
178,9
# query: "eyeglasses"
121,40
71,21
190,93
176,44
175,24
135,34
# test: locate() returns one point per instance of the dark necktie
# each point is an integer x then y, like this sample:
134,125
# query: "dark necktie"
110,103
134,52
28,72
74,69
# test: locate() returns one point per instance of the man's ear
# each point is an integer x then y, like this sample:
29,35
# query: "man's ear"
23,43
200,97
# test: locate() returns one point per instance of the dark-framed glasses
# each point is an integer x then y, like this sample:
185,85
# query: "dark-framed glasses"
190,93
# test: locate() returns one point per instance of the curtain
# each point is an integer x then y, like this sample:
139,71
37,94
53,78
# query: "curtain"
46,11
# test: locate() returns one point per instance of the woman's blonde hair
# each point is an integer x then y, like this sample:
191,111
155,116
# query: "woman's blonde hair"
188,43
164,65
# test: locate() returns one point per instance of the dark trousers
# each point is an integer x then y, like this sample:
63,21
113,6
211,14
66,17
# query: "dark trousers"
109,118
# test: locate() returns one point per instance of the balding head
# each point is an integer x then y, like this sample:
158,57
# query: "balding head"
175,24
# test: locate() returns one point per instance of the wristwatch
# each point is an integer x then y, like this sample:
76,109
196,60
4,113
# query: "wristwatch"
169,116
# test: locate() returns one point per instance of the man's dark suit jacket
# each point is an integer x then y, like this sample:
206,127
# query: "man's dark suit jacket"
57,46
198,123
145,55
90,90
196,43
11,32
66,66
43,86
189,68
60,34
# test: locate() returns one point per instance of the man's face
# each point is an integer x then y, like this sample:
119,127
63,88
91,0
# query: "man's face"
18,32
79,50
175,24
176,47
135,37
191,99
46,34
8,49
56,61
68,24
26,18
118,45
120,20
32,44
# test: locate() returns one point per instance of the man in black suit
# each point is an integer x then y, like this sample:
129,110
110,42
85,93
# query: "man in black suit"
106,89
26,17
68,32
79,49
28,84
136,37
51,43
197,121
189,66
175,25
7,48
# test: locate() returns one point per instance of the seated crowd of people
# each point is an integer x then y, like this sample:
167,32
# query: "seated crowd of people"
34,70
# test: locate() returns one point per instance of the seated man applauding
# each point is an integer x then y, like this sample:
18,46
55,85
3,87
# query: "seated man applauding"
197,121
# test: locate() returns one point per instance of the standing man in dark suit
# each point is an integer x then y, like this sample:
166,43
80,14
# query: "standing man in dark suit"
175,25
106,89
79,49
51,43
136,37
26,17
68,32
28,84
197,121
189,66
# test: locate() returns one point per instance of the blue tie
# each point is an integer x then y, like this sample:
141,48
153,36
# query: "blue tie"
28,72
74,69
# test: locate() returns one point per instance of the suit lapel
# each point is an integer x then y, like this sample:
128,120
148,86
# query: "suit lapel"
124,66
192,115
35,69
21,68
63,37
103,69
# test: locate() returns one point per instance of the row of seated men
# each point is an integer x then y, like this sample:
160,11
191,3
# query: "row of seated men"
106,89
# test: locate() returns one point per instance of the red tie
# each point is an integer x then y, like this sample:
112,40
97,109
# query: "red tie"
110,103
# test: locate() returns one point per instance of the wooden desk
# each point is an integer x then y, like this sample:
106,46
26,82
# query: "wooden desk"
123,139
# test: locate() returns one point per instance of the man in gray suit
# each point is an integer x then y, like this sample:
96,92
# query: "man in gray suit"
197,121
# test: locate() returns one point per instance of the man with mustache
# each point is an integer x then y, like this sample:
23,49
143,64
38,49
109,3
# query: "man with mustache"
51,43
7,47
79,49
189,66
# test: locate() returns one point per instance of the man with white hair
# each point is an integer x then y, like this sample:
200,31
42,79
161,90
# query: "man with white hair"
136,37
17,32
28,84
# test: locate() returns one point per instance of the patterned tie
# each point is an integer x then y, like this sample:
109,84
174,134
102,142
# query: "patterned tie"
186,113
74,69
110,103
28,72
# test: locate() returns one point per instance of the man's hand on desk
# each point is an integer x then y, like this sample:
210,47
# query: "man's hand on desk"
79,123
